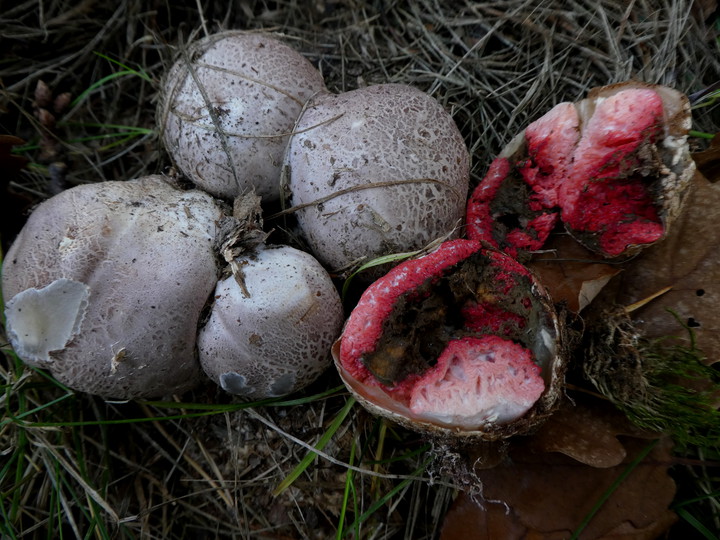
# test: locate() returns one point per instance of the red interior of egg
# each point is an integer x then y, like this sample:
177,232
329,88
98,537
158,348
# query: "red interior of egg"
450,336
590,172
478,381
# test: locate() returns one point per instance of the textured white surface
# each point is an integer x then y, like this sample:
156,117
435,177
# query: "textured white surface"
384,134
145,252
230,136
276,340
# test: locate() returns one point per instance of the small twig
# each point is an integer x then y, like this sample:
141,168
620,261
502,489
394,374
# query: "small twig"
373,185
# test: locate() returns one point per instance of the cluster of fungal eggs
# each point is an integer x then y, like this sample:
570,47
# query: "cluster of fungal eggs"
131,289
108,283
465,341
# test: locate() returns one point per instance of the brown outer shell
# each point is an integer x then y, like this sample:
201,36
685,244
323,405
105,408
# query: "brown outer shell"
379,403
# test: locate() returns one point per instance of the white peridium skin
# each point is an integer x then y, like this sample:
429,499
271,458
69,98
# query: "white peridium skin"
391,135
105,284
226,118
276,340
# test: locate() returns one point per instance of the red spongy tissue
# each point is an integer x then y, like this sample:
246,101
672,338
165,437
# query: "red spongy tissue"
365,324
482,374
584,171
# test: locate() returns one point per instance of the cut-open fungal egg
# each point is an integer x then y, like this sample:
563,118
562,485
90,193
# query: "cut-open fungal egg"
462,341
614,168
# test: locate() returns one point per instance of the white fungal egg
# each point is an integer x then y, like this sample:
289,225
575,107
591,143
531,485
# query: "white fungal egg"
105,284
374,171
229,103
271,329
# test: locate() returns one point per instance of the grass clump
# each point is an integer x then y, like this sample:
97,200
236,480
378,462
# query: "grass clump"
661,385
76,466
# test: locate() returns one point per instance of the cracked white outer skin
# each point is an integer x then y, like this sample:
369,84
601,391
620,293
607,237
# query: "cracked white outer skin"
277,340
255,86
143,251
44,320
379,134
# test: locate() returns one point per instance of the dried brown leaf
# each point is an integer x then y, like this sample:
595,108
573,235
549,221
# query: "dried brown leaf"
571,273
708,161
586,430
547,496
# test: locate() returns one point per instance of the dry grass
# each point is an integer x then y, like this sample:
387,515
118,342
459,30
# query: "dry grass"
494,65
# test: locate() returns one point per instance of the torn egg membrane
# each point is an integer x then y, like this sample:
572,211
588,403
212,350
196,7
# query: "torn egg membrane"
614,168
43,320
461,342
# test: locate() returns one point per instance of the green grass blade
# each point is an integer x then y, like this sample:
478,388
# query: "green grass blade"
701,134
385,259
308,399
346,493
712,495
389,495
46,375
97,84
120,127
125,71
116,422
310,457
21,446
402,457
15,418
274,402
6,530
140,73
699,527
